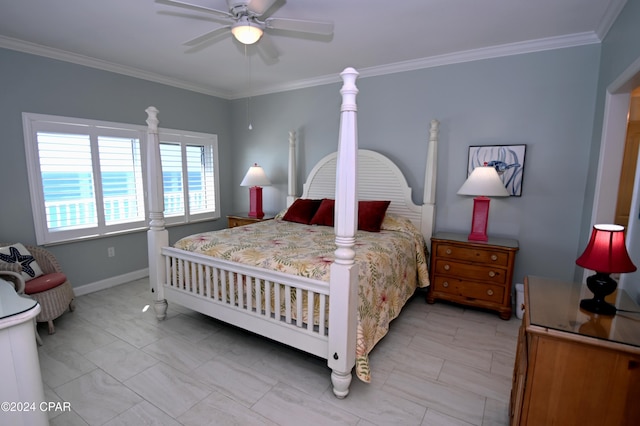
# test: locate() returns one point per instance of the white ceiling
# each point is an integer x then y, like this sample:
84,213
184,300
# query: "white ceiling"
144,39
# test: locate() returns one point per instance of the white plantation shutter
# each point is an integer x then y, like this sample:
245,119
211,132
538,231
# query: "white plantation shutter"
189,172
86,177
121,177
201,180
67,180
171,158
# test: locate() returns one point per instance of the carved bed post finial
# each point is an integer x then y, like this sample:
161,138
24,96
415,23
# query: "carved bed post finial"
349,89
291,196
157,235
152,118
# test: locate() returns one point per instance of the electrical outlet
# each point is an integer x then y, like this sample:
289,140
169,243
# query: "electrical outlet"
111,251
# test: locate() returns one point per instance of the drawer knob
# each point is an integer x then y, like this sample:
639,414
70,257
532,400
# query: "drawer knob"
445,284
446,267
494,257
492,274
490,292
448,251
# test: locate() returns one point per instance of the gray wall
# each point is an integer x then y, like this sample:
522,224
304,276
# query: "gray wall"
545,100
39,85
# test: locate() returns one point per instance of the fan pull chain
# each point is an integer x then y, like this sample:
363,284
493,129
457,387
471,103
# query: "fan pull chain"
248,60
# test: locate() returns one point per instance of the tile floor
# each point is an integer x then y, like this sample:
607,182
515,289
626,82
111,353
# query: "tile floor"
117,365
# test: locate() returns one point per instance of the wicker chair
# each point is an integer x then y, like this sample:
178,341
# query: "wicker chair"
52,290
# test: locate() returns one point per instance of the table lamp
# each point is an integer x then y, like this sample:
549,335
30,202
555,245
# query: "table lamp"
483,182
255,179
605,254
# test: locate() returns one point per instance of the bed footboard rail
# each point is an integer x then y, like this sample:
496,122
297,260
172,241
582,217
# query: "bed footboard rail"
289,309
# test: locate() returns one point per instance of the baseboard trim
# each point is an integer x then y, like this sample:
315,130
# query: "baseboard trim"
110,282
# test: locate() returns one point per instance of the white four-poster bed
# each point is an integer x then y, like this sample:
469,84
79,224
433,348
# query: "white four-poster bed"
288,307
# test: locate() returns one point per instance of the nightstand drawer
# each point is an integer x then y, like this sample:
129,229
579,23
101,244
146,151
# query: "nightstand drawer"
485,273
468,289
234,221
483,255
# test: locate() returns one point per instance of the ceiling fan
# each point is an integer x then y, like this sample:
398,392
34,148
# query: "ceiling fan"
248,20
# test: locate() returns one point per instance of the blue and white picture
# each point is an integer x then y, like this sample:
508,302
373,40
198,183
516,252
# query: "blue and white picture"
508,161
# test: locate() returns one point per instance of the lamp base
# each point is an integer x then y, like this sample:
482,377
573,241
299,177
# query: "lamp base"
601,285
598,306
255,202
480,219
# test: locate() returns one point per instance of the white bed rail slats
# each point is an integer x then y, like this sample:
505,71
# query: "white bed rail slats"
291,302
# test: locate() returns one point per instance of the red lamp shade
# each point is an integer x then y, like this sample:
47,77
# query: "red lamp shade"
606,251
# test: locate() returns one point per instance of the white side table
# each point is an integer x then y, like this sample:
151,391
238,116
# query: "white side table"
19,364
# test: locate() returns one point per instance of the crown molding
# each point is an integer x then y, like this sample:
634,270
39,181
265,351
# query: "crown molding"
531,46
63,55
609,17
510,49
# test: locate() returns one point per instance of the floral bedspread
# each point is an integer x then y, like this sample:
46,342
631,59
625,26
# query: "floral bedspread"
392,263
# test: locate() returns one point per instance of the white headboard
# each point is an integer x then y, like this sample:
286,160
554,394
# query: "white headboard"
378,179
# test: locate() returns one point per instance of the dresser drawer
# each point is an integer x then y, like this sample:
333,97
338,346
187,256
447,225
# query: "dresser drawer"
486,273
472,254
468,289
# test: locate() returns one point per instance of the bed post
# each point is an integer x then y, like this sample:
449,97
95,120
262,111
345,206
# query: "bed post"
291,196
343,283
430,175
157,235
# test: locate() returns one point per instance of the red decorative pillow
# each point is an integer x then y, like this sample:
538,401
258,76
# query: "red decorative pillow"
371,214
325,213
302,211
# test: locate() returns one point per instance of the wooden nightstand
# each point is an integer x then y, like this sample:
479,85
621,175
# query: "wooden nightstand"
472,273
241,219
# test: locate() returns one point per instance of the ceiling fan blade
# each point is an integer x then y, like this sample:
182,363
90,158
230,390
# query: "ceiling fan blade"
207,36
195,7
267,50
300,25
260,7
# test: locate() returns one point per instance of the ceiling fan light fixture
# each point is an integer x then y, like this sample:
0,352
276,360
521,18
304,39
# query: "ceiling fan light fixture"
245,32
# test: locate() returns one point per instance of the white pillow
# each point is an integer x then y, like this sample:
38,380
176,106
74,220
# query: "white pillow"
17,253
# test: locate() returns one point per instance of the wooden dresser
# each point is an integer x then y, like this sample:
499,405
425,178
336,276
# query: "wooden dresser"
239,219
472,273
574,367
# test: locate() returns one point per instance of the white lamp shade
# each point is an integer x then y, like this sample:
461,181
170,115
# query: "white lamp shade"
255,177
246,32
484,180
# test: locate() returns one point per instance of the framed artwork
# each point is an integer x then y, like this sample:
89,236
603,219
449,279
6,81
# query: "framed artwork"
508,161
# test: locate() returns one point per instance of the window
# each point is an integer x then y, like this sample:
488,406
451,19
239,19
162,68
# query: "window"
188,175
87,178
